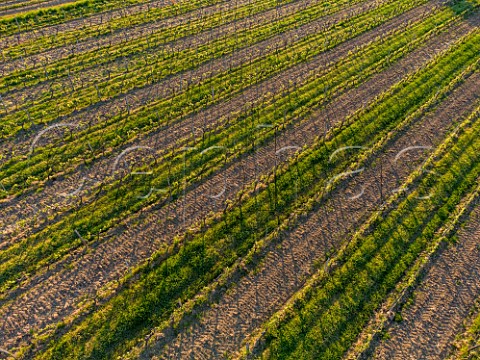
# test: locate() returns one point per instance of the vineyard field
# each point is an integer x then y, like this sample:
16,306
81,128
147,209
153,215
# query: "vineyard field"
240,179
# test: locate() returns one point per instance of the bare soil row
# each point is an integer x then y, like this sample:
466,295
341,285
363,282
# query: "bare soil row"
438,307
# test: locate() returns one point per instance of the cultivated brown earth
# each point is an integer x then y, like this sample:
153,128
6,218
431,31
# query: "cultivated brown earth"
441,302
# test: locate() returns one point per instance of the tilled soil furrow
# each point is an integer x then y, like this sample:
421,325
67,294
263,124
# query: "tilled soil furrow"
112,258
441,302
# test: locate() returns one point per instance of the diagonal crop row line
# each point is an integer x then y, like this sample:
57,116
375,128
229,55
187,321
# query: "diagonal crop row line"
164,63
5,4
197,340
184,96
421,273
390,27
128,82
135,202
150,89
101,262
152,16
148,31
140,93
16,7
